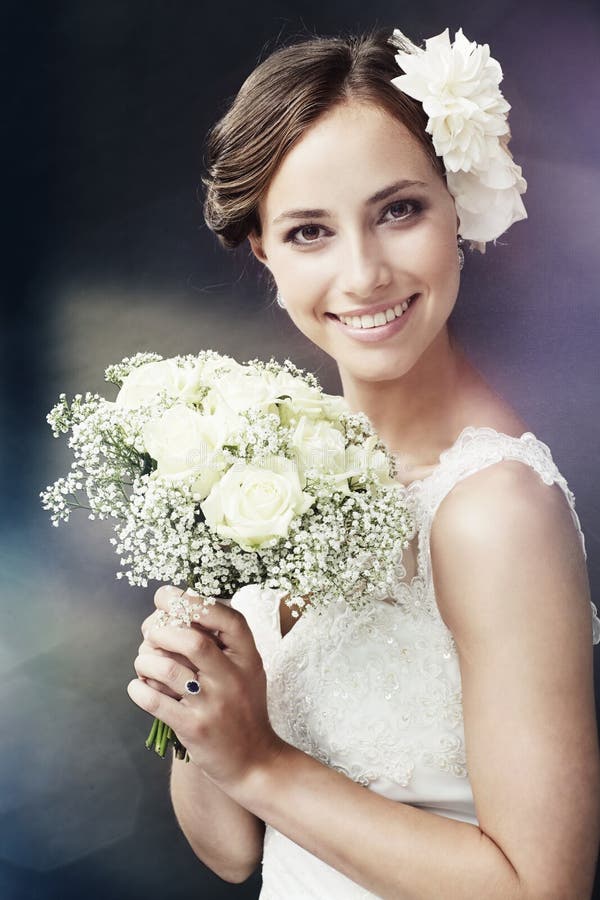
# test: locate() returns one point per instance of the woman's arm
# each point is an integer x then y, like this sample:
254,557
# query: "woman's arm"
224,835
512,586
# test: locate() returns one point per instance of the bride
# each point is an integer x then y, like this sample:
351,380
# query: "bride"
442,744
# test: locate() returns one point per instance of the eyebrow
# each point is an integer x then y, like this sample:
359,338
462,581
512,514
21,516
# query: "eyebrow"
383,194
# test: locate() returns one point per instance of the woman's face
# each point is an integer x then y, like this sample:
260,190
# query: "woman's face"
342,237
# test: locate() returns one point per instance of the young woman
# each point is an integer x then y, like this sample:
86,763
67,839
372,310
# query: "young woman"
443,744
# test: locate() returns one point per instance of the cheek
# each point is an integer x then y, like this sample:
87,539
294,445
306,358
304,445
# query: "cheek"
438,259
303,279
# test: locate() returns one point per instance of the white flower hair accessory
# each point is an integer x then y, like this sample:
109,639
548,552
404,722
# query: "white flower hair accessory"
457,85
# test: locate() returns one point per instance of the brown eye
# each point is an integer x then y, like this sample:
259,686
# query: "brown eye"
401,206
396,206
309,234
310,231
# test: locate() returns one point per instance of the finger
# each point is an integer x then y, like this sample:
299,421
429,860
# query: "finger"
195,645
148,650
166,672
157,619
167,709
148,623
159,687
164,595
231,625
167,594
147,647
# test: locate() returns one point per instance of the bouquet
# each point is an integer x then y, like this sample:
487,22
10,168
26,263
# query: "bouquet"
220,474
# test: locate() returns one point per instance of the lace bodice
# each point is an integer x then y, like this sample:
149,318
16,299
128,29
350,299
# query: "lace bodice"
376,693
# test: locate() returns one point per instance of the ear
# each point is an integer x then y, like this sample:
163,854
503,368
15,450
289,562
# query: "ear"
257,248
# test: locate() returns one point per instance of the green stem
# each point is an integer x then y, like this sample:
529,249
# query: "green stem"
151,737
159,734
164,741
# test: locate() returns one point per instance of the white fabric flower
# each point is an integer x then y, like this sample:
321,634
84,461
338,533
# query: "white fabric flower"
458,87
489,203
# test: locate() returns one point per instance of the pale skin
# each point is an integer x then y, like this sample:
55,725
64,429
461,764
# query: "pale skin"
509,574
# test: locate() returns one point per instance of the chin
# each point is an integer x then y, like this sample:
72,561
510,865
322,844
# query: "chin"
378,373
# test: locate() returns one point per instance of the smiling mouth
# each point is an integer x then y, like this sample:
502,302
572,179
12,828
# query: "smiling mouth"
368,322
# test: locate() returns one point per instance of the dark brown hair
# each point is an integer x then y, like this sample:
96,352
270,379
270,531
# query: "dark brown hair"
279,101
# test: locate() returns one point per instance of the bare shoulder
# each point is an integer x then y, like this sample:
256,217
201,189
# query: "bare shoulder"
505,523
511,585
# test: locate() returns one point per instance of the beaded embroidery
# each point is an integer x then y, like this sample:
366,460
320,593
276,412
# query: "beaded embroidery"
376,693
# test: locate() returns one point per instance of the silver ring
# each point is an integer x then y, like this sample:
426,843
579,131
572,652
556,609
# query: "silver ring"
192,686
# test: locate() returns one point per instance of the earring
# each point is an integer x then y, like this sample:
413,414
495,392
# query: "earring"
461,255
280,301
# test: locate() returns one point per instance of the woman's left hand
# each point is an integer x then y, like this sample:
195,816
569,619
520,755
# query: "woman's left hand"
225,727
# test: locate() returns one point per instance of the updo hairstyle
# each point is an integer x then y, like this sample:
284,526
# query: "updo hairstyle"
281,98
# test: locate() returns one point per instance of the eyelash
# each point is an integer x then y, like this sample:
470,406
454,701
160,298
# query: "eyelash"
291,235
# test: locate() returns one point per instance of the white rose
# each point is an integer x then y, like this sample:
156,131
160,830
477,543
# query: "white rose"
144,383
242,388
251,505
361,458
303,399
334,406
185,442
319,444
223,362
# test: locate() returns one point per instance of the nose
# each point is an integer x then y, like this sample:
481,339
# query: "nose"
363,267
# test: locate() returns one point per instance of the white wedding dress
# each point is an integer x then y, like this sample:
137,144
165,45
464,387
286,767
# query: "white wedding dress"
376,694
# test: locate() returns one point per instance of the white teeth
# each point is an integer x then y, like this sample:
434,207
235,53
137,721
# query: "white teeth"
380,318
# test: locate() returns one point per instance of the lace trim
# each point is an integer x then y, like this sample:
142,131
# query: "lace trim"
377,692
475,449
369,694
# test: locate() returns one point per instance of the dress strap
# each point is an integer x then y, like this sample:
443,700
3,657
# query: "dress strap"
475,449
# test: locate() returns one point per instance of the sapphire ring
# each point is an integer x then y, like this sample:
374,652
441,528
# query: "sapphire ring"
192,686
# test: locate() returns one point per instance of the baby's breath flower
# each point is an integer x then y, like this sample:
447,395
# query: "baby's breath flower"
346,545
118,372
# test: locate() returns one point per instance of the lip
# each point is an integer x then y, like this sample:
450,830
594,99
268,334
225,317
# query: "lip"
378,332
372,310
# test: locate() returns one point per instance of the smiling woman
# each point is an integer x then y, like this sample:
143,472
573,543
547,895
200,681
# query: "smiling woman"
370,255
442,743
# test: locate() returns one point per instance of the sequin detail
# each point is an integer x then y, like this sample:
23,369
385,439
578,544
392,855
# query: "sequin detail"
368,694
376,693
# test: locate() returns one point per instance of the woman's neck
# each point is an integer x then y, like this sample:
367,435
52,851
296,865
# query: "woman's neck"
421,413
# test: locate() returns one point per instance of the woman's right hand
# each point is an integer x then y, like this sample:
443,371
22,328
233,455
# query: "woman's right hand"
161,601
